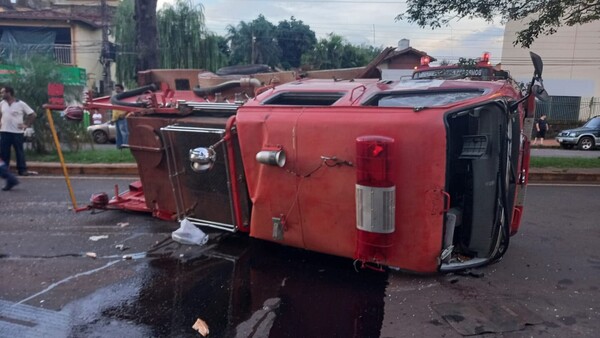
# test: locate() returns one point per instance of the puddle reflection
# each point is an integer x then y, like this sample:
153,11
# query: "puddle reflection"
250,288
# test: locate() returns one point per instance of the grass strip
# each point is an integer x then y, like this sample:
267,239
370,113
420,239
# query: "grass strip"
85,156
564,162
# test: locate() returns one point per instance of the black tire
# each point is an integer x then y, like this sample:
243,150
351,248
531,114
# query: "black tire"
586,143
100,137
567,146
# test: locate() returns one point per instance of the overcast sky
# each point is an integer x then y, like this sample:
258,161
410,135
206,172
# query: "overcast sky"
368,22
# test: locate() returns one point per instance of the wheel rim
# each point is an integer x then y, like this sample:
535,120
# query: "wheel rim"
100,137
586,143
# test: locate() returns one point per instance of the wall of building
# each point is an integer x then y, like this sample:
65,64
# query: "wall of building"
571,59
406,61
87,43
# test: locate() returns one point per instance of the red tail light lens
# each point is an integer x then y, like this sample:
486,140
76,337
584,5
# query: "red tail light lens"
374,161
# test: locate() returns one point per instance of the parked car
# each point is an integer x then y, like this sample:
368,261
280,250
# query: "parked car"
103,133
586,137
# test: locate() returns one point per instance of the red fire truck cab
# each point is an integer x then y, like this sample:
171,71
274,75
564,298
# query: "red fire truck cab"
424,174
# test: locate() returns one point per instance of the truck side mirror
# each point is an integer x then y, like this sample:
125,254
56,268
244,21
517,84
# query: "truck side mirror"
540,93
538,64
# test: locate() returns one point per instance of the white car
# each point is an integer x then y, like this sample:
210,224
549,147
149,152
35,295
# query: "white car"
103,133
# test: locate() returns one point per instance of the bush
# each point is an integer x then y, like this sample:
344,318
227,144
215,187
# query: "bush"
31,86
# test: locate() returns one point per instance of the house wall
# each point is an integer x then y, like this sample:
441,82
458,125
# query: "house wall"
87,44
407,61
571,62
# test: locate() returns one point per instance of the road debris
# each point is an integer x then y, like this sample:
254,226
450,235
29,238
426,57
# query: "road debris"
127,257
201,327
97,238
91,255
123,224
189,234
121,247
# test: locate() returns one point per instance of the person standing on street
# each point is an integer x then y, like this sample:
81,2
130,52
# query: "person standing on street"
97,117
541,127
119,118
16,117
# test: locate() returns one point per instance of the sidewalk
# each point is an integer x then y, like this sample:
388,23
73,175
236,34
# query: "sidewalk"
578,175
548,143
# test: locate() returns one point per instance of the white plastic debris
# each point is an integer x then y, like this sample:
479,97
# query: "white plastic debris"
189,234
121,247
96,238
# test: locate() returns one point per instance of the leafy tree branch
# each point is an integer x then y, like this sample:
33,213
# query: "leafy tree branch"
545,16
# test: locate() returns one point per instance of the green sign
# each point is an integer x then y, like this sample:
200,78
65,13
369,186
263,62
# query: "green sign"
6,71
72,76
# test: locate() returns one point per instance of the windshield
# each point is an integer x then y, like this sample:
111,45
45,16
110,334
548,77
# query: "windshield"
424,99
593,123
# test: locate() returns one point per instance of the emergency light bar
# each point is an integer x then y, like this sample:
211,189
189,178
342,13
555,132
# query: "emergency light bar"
485,58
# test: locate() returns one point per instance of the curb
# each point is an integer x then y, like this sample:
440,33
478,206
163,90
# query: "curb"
578,177
116,169
130,169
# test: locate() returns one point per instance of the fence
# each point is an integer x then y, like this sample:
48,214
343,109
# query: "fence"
60,52
568,109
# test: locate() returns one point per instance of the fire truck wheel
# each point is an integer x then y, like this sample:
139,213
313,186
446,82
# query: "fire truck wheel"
100,137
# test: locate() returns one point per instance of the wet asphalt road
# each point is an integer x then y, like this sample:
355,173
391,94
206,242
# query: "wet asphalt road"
243,287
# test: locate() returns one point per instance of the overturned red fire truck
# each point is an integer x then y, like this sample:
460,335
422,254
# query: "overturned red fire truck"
424,174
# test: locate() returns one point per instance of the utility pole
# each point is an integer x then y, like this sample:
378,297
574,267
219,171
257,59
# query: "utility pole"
373,35
105,53
253,48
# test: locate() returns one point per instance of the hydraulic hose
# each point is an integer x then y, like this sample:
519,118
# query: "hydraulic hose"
244,82
117,99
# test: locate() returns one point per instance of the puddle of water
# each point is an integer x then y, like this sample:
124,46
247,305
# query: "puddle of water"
248,288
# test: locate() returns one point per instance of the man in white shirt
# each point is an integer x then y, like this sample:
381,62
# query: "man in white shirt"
97,117
16,116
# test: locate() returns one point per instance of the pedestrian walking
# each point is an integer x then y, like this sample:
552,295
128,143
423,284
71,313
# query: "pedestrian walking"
11,180
541,127
16,116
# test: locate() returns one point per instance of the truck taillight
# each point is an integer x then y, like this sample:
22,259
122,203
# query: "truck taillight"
375,197
373,161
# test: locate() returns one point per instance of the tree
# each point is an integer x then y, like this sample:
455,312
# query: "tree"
146,30
294,39
254,42
327,54
546,15
334,52
126,59
184,40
